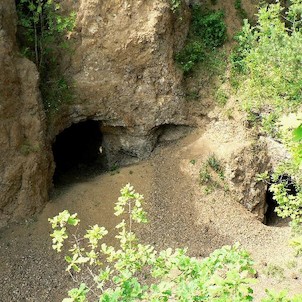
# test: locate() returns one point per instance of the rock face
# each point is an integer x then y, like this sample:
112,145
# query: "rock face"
24,164
122,69
124,74
242,168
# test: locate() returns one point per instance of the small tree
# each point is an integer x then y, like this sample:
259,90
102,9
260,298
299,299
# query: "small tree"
43,28
43,31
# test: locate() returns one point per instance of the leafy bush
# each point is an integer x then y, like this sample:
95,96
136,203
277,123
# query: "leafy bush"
192,53
209,26
270,54
280,297
136,272
207,31
245,42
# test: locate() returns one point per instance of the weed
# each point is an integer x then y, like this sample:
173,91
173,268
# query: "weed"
204,175
229,113
56,91
253,117
214,163
275,271
269,124
192,53
292,264
175,5
209,26
221,97
193,161
208,190
207,178
114,169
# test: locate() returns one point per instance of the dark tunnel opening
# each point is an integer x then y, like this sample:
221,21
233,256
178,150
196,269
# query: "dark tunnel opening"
271,217
76,152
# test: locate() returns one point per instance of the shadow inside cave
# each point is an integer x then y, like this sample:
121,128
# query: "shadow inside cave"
77,153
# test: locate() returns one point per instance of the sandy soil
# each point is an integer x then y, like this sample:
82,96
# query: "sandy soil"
180,214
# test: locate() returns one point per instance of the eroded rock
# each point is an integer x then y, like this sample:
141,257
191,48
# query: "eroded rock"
24,165
123,72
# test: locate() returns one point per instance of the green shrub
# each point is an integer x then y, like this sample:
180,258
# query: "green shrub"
192,53
270,54
137,272
209,26
245,42
207,32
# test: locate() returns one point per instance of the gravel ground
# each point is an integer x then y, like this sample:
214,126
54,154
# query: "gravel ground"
180,215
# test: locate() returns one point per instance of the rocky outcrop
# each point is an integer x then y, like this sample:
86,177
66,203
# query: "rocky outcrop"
123,72
241,155
243,166
24,160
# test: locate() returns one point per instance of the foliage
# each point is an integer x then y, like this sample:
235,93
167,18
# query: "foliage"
136,272
241,12
44,30
269,124
270,55
245,41
175,5
267,61
280,297
209,26
192,53
221,97
56,91
207,32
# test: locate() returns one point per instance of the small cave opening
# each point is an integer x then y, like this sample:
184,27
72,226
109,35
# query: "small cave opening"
271,217
77,152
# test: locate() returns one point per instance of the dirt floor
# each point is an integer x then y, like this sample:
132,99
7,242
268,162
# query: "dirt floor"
180,215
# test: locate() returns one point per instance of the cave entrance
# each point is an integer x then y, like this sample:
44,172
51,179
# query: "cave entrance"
271,217
77,152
